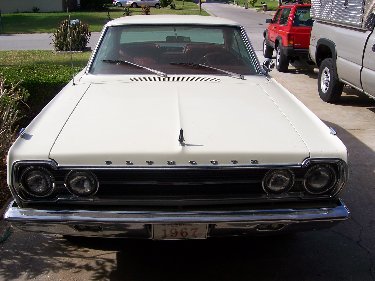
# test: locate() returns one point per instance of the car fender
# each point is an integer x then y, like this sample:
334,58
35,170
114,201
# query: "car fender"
325,48
279,41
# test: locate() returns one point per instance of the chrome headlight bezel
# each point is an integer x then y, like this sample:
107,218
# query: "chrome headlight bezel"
320,170
340,168
281,174
47,177
89,176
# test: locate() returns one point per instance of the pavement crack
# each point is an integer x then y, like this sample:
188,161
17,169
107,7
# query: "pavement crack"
358,242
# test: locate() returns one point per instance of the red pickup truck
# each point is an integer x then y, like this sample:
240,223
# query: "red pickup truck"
289,34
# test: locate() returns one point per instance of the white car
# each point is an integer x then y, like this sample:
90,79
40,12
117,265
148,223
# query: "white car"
137,3
175,131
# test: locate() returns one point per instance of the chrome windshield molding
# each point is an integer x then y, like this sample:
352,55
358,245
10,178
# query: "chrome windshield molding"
91,60
14,214
250,50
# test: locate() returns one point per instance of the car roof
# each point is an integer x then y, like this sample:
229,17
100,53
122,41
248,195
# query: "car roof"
171,19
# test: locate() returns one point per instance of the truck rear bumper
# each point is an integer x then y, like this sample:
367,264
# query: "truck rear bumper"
138,224
292,52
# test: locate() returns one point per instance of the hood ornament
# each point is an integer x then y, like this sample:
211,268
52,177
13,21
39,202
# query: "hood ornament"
181,138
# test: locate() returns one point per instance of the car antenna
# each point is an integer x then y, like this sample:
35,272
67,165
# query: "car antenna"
70,42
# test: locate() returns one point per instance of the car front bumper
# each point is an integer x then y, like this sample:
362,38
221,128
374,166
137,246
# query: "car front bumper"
138,224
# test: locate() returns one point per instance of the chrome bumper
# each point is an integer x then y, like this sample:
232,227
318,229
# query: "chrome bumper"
137,224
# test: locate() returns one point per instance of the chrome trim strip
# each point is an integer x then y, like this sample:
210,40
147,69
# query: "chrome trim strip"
250,49
243,34
304,163
16,215
332,131
93,55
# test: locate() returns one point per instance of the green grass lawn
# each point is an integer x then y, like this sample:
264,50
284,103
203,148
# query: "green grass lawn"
48,22
24,58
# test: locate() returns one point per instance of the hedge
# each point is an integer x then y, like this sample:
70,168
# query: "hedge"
42,82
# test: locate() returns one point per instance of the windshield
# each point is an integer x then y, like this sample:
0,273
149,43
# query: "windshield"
172,49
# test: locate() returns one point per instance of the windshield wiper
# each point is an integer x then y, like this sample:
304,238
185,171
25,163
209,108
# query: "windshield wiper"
157,72
205,66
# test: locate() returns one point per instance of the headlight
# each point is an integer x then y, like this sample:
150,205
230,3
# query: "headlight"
320,179
82,183
37,181
278,181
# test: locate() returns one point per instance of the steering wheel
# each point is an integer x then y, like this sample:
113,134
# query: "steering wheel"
219,58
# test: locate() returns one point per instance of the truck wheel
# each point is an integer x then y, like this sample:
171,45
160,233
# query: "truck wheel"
329,85
282,61
134,5
267,50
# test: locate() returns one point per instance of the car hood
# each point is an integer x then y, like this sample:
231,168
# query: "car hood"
141,121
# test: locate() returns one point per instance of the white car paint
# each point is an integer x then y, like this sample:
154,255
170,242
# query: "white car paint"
109,118
241,135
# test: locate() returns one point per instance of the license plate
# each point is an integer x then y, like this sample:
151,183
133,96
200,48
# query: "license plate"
179,231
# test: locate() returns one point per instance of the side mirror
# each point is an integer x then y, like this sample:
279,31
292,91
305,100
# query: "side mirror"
268,65
268,20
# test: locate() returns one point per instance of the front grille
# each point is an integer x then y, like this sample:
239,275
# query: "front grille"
179,186
173,187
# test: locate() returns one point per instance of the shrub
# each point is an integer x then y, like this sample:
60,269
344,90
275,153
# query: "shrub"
42,74
71,36
165,3
127,12
146,10
252,2
35,9
10,99
43,82
173,6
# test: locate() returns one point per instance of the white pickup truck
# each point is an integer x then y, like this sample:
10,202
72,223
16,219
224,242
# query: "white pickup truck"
342,44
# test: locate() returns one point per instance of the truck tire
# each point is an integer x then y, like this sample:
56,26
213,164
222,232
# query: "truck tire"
329,86
267,50
282,61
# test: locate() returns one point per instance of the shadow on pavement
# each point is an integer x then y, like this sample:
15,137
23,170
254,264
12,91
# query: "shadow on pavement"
353,97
